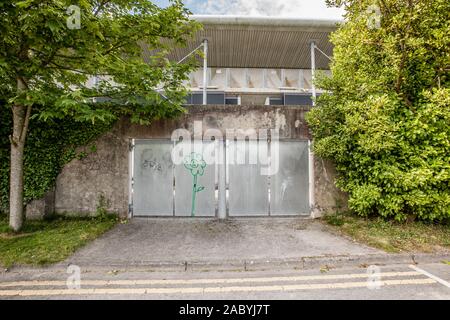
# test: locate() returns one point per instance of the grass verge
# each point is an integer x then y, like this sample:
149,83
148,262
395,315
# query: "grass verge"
49,241
392,236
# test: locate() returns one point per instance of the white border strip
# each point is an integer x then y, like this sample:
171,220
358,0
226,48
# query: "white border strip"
431,276
311,183
130,176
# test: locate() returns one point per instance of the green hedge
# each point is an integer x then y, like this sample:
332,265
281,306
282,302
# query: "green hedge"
391,162
49,146
384,118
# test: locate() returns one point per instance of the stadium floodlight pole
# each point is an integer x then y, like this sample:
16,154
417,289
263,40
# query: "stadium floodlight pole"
313,71
327,56
205,71
190,53
184,58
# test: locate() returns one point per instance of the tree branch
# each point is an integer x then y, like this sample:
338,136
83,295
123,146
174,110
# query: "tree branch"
12,141
57,66
114,47
25,124
23,82
49,59
70,57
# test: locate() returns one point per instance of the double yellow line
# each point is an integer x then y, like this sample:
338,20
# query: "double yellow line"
223,285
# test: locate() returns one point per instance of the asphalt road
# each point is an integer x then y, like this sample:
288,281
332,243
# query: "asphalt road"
425,281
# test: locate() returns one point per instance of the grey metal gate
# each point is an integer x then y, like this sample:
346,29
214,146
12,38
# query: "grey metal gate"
162,188
248,188
195,185
289,191
152,178
285,192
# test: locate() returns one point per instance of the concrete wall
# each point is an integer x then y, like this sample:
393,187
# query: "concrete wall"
104,174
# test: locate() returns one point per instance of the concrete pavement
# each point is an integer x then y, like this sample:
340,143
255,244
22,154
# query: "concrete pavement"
235,244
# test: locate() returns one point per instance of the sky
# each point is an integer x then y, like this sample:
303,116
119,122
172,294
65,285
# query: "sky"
312,9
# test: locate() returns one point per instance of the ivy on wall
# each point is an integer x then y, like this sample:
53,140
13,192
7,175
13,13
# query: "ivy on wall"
50,145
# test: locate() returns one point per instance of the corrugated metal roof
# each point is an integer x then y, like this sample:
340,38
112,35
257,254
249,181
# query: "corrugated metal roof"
241,42
322,24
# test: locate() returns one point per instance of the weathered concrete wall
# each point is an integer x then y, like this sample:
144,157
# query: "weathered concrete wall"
105,173
40,208
289,120
328,198
83,183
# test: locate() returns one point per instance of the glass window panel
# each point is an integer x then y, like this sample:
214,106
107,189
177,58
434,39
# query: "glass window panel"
218,78
255,78
273,79
292,78
237,78
186,83
307,79
197,79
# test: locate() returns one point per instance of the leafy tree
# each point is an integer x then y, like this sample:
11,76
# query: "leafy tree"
49,51
45,152
385,119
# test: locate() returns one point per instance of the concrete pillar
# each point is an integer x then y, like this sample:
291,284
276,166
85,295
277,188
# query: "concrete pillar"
313,70
205,71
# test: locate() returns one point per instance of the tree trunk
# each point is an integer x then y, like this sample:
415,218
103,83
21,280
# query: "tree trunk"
21,116
16,170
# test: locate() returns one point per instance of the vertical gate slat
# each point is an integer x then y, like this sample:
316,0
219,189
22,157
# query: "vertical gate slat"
153,178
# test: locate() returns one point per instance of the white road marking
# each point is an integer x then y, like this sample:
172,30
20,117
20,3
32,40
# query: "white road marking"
33,283
432,276
201,290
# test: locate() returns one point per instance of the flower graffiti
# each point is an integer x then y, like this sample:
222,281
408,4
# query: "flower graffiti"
196,165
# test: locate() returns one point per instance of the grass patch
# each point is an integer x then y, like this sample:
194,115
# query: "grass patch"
49,241
392,236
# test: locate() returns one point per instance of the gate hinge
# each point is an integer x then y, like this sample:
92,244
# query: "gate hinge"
131,145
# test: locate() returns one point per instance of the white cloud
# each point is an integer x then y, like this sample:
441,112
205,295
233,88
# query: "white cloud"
281,8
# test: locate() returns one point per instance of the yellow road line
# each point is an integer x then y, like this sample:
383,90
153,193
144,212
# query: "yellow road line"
205,281
316,286
200,290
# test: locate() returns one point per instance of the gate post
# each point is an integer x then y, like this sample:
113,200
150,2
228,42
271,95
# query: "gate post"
311,179
222,208
313,71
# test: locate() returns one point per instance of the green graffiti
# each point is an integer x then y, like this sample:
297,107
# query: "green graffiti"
196,165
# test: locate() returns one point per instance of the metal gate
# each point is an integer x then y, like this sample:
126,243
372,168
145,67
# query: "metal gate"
160,187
